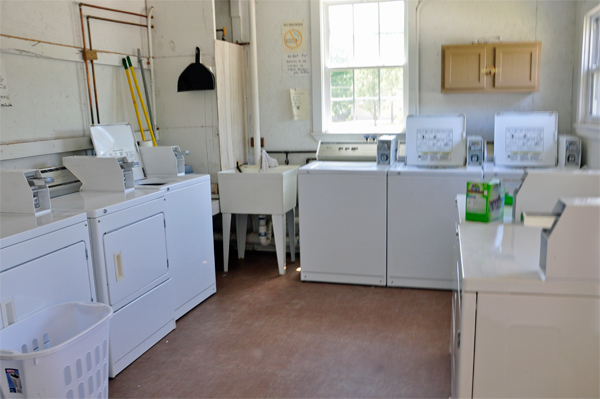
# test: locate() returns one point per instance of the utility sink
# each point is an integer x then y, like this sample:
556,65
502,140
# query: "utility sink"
255,192
264,193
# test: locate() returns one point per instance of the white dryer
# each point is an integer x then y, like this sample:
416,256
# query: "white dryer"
190,241
342,212
129,249
45,254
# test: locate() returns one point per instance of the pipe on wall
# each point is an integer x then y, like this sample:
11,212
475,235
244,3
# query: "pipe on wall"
254,82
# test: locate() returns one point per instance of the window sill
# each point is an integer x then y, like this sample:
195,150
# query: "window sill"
587,130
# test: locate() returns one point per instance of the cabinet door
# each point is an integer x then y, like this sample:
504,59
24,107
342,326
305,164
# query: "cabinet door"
464,67
518,66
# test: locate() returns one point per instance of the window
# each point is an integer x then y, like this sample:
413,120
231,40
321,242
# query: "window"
590,102
363,65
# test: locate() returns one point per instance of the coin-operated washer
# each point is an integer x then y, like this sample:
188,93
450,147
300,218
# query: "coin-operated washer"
526,311
45,253
421,193
190,241
129,252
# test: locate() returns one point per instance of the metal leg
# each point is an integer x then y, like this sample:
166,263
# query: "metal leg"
291,225
279,233
226,233
241,225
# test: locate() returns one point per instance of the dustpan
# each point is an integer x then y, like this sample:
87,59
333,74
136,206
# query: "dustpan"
196,77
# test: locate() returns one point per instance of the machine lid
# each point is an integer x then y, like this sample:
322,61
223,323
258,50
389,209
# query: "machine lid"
344,168
18,227
96,203
472,171
118,140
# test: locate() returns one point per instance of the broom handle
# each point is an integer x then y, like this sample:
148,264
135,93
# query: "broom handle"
141,101
137,114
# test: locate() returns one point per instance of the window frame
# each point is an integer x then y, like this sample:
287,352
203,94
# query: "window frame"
322,118
586,90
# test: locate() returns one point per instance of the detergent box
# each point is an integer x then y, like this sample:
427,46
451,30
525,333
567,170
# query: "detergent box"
485,201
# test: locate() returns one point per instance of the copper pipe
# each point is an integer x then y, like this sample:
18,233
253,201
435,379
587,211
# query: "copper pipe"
93,71
40,41
87,72
111,9
117,21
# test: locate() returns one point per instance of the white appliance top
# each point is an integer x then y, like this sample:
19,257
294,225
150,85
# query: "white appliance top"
504,258
526,139
18,227
172,182
490,170
436,140
344,168
475,171
97,204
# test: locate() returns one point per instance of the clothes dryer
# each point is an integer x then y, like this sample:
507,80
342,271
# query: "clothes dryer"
45,255
129,251
189,229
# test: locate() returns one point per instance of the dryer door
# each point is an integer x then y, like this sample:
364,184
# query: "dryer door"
136,259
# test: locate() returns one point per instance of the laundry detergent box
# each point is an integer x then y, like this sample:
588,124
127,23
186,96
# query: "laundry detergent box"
485,201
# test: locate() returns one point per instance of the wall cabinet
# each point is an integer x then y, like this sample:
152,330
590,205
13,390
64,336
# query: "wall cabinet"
497,67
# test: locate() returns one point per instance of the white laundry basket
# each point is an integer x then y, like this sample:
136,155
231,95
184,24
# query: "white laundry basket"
58,352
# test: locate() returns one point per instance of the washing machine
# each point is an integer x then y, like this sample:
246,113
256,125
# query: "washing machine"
129,253
342,215
190,242
45,254
421,201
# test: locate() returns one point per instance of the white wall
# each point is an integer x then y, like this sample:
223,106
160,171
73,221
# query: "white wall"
47,88
442,22
188,119
456,22
277,126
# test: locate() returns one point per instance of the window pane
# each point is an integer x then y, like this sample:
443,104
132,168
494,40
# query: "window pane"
366,34
392,96
595,43
342,96
595,100
391,29
367,95
340,34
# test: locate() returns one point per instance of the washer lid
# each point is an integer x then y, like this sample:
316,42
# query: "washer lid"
118,140
344,168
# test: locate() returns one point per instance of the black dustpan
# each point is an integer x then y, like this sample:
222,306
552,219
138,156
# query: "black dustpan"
196,77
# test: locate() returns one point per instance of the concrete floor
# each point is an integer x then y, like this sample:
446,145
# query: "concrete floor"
265,335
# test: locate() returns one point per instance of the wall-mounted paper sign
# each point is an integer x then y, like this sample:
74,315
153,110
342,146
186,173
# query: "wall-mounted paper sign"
299,103
293,37
295,64
4,96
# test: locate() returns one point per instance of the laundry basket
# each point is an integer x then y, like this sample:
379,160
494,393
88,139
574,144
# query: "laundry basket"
58,352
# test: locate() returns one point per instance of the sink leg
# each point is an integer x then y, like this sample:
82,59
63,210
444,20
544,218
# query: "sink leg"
241,227
226,232
291,225
279,233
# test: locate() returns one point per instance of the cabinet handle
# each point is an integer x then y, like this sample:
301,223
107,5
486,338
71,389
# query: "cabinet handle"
458,339
491,70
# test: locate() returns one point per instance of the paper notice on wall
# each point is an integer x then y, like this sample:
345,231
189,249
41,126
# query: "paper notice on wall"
295,64
4,96
293,37
299,103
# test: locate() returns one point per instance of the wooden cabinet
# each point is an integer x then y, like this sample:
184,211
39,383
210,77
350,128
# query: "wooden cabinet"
497,67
